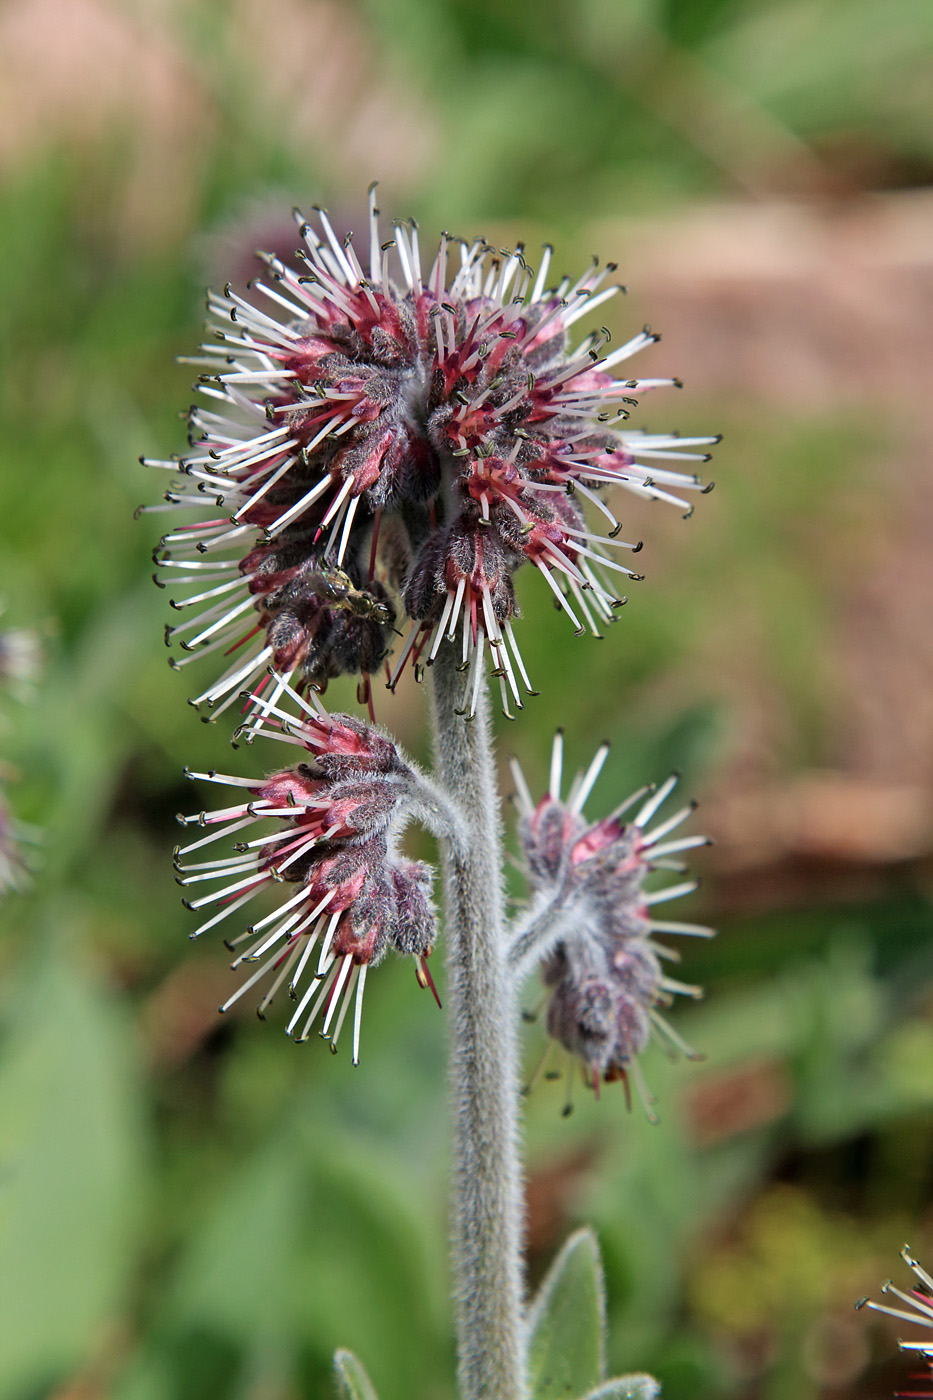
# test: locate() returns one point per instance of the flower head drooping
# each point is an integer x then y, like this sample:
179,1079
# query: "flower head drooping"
917,1309
385,437
605,972
350,897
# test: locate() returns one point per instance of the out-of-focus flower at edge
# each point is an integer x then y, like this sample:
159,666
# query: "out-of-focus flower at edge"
337,816
917,1310
20,661
15,839
605,972
378,442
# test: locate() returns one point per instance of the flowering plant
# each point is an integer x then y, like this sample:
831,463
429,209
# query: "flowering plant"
388,447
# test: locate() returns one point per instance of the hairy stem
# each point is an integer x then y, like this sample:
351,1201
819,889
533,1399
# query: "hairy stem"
487,1207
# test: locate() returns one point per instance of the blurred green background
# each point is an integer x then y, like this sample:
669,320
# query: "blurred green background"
192,1209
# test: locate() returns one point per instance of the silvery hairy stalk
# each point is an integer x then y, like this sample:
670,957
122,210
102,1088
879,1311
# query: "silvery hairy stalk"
380,443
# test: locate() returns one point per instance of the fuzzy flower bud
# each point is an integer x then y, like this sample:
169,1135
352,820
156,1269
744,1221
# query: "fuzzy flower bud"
604,971
394,438
350,897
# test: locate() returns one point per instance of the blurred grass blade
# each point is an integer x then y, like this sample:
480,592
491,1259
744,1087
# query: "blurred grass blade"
567,1323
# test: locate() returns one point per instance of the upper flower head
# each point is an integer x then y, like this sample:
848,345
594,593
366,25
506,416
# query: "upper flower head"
335,820
385,438
605,970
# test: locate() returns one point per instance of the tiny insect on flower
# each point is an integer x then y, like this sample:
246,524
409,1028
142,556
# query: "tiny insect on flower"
385,440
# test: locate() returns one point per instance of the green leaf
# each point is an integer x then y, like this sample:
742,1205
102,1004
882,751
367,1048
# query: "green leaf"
252,1234
352,1379
567,1323
638,1386
70,1171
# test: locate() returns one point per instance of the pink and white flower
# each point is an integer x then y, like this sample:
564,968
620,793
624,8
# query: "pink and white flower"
328,838
392,438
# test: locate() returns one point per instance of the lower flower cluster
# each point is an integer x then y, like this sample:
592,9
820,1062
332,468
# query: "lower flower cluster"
604,967
351,897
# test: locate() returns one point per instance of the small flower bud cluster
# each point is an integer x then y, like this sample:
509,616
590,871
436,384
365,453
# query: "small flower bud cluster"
350,896
373,441
605,974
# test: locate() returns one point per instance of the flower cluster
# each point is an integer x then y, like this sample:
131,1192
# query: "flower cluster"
336,817
384,440
604,974
917,1309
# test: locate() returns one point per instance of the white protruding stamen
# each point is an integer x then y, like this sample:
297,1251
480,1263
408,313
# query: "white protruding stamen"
652,836
358,1013
592,773
543,569
439,629
477,672
673,892
347,998
522,791
288,960
329,932
674,926
542,273
250,982
346,963
455,610
223,913
686,843
299,1010
654,802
